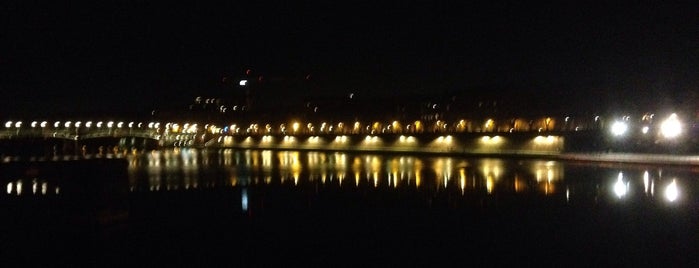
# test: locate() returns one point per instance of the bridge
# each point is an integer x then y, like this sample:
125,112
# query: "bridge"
82,134
69,130
460,136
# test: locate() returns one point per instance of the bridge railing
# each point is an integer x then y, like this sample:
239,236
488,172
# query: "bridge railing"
75,134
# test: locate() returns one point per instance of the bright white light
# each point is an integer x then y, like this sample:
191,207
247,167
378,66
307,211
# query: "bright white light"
619,128
620,188
43,124
34,123
8,124
671,192
243,82
644,130
645,181
18,124
110,124
671,127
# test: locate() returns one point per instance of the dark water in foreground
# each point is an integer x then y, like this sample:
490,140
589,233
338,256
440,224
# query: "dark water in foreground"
248,208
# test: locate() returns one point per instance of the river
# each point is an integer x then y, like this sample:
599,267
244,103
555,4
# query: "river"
272,207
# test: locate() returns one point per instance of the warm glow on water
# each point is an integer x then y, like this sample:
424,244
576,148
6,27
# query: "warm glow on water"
402,201
184,169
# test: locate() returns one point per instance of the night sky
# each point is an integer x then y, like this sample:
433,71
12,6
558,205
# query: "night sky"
129,57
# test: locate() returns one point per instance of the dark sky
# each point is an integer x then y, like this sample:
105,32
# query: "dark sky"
130,56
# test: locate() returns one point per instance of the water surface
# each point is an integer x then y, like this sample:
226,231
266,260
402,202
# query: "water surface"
267,207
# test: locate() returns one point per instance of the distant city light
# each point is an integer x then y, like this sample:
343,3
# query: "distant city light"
243,82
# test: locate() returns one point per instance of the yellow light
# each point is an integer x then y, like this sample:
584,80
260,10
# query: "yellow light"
489,123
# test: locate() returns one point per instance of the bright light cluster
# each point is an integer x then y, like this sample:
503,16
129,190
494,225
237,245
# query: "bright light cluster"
671,127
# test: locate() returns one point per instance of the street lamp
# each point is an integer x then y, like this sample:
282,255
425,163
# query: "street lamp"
619,128
671,127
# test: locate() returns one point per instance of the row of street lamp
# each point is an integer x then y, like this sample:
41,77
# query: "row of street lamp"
670,128
78,124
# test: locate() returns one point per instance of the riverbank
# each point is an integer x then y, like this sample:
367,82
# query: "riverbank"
633,158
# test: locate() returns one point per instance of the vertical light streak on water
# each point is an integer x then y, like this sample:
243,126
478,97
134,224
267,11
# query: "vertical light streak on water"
645,182
671,191
244,199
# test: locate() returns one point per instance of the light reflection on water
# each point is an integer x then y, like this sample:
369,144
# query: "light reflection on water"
183,169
